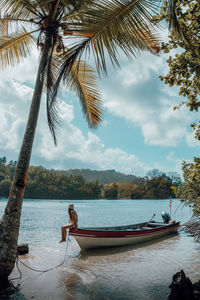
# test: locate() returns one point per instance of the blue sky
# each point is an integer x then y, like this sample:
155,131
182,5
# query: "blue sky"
140,131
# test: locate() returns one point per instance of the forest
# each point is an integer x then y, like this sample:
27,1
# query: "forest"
66,184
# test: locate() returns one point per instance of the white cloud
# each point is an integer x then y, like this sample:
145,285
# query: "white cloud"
132,93
13,111
88,150
177,162
140,98
9,127
140,70
23,72
23,92
72,144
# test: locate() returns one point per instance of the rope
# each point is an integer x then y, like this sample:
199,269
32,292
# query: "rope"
40,271
20,276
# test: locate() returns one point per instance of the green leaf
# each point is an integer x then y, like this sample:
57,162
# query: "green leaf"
113,25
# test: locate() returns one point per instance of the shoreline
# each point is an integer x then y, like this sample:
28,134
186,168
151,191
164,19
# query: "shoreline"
45,285
93,199
32,286
108,274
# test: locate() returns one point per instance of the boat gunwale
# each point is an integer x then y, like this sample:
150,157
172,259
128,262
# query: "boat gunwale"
119,228
122,233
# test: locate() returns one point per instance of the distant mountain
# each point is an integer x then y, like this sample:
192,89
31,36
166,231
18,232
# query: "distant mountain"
105,177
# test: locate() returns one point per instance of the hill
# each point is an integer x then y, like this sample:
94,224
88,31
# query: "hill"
106,176
88,184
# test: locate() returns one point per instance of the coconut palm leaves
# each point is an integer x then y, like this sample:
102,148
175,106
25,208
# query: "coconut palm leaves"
14,48
174,25
73,28
174,17
108,26
83,81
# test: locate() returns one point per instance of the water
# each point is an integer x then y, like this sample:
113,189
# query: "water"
141,272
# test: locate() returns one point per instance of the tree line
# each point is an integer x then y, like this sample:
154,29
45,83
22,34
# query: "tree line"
158,187
51,184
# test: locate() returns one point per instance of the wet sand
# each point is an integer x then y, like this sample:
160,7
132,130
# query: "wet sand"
141,272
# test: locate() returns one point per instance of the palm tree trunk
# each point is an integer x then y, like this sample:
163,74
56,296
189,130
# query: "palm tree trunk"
10,223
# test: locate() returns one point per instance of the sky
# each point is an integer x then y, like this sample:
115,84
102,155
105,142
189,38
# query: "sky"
140,130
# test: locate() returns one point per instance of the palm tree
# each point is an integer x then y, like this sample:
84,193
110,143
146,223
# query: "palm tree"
174,25
64,31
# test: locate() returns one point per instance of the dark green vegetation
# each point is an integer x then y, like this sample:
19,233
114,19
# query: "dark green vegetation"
189,192
183,17
184,66
46,184
51,184
161,187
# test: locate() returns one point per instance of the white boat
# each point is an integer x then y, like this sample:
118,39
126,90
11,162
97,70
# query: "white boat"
95,237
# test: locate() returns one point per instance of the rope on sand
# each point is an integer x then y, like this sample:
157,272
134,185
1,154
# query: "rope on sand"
36,270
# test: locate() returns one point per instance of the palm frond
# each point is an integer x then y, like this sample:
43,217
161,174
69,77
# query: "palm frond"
145,40
43,2
58,66
175,27
173,23
51,75
21,8
83,81
100,26
65,63
117,23
7,6
17,20
73,8
15,48
4,28
10,7
9,25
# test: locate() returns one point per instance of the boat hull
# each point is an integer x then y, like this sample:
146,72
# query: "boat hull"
102,238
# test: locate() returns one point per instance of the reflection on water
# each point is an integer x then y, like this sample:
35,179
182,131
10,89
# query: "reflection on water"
113,250
134,272
141,272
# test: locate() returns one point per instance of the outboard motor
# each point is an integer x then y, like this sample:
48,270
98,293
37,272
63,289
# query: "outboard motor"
165,216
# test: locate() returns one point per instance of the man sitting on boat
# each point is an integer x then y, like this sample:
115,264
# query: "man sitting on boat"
73,222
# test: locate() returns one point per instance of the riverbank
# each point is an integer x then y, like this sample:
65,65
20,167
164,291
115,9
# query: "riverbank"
123,273
181,288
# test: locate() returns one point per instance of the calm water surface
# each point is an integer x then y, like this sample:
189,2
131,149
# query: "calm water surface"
141,272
